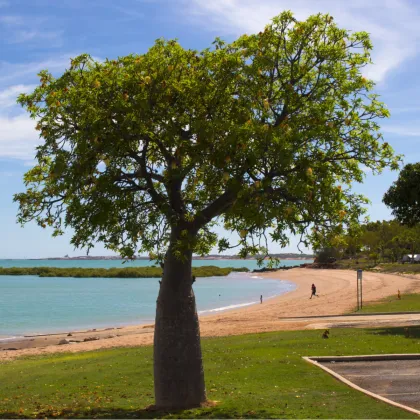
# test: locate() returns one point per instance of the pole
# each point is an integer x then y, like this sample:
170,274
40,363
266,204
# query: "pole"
359,290
357,282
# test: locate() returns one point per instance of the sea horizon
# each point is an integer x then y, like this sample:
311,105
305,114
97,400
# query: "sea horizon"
141,258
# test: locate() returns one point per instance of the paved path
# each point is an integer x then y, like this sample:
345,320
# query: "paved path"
397,380
356,321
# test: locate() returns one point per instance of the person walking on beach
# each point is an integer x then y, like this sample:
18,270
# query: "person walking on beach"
261,299
313,288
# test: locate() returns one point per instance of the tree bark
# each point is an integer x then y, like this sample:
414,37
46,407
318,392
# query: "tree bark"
178,366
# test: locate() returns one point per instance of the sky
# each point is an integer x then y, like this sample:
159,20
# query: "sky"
44,34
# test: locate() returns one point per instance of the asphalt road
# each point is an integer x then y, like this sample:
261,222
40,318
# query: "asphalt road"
397,380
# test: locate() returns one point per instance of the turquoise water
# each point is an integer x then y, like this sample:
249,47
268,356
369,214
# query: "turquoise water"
34,305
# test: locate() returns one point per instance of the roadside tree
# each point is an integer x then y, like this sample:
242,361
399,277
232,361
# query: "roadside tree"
409,240
403,197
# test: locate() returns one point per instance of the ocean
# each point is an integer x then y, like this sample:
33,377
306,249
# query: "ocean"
31,305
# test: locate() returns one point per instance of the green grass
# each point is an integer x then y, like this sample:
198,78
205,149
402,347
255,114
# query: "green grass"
383,267
255,376
127,272
398,268
408,303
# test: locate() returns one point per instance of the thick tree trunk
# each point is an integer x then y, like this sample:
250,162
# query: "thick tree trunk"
178,367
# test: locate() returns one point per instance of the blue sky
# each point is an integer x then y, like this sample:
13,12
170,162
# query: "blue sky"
43,34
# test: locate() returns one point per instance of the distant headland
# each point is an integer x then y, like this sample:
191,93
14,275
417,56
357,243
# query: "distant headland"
284,256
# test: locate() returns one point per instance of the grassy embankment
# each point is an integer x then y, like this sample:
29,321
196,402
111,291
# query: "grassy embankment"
129,272
398,268
408,303
368,265
254,376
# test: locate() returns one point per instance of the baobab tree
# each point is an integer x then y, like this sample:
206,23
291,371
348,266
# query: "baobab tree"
146,153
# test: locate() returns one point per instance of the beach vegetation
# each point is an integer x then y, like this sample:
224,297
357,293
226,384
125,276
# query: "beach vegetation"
386,242
148,153
127,272
327,255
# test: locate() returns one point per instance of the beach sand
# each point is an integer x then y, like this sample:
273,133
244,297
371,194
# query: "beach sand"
291,311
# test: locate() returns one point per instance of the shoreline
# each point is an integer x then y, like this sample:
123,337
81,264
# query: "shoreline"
337,296
102,327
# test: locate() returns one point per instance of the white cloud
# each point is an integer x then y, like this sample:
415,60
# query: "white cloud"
14,73
130,13
10,72
18,137
11,20
29,163
23,30
7,174
405,110
401,130
8,96
393,24
24,36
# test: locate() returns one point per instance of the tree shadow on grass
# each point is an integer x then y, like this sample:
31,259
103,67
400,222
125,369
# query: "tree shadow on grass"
119,413
408,332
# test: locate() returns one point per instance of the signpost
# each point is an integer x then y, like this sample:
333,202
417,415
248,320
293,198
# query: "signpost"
359,290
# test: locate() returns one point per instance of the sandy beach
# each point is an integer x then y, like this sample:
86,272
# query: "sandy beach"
291,311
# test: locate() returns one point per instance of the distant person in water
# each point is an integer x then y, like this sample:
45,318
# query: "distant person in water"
261,299
313,288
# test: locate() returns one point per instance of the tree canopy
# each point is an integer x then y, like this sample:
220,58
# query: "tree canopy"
267,132
388,240
403,197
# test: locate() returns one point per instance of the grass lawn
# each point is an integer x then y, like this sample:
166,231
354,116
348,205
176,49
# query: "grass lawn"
408,303
257,376
369,265
399,268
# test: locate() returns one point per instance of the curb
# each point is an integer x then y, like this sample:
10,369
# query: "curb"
366,358
316,359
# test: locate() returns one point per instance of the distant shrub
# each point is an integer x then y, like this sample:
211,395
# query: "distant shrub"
326,255
129,272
